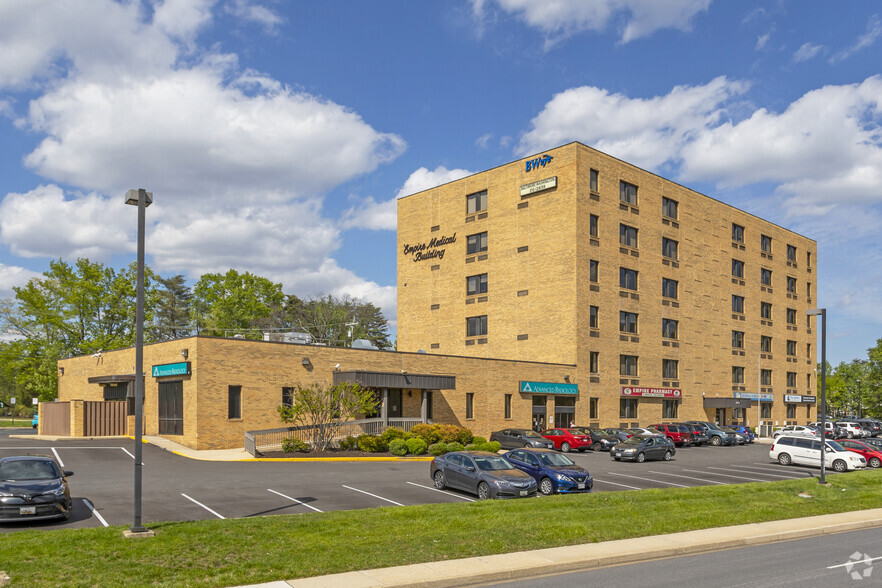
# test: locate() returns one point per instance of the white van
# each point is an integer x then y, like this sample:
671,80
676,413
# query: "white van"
789,449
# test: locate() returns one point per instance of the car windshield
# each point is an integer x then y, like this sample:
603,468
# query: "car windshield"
608,432
835,446
579,431
490,464
555,459
635,440
28,470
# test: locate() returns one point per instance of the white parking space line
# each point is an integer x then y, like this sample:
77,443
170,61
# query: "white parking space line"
442,491
95,512
726,475
866,561
374,495
647,479
687,477
127,452
755,473
295,500
615,484
203,506
57,457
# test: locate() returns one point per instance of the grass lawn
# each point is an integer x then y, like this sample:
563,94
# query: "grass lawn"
253,550
19,422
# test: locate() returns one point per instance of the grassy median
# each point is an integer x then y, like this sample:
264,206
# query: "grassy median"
253,550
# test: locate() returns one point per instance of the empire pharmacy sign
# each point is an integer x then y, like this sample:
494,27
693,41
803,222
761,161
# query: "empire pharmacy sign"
433,249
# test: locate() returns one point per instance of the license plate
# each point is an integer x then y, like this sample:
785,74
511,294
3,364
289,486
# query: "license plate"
27,510
582,486
524,492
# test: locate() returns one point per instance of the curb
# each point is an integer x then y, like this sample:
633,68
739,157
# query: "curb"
307,459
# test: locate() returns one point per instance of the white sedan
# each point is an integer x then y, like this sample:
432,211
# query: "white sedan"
798,430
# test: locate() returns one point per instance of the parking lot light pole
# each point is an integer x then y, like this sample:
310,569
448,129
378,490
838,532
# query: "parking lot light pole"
142,199
822,312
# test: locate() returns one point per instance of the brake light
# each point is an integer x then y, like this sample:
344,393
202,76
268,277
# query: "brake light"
773,447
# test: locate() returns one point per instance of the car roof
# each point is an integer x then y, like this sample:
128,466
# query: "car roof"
28,458
535,450
475,453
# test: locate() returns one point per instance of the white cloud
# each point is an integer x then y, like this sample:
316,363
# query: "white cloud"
483,140
647,132
182,19
874,31
806,51
254,12
42,223
560,19
762,41
423,179
11,276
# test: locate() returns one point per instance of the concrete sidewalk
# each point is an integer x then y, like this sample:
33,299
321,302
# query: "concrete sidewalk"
527,564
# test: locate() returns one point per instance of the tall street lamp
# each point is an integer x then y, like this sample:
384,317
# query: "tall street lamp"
142,199
822,312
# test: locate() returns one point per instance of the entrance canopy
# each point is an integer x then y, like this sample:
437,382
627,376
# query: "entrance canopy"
396,380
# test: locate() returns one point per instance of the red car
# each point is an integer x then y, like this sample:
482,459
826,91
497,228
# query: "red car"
568,439
679,436
872,454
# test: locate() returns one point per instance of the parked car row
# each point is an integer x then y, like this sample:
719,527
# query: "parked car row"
839,429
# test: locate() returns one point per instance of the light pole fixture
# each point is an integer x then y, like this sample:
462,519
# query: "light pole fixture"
822,312
142,199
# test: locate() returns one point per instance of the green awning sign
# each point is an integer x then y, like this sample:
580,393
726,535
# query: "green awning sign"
172,369
548,388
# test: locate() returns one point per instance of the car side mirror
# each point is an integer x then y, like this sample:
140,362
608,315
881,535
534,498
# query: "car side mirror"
470,468
67,473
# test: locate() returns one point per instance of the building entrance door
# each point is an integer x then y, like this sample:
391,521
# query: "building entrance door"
540,410
721,416
171,408
395,404
564,412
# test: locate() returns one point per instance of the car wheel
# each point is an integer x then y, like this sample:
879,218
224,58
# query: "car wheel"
596,447
528,446
839,466
875,462
483,491
850,435
668,456
565,447
545,487
67,513
439,480
784,459
716,441
641,457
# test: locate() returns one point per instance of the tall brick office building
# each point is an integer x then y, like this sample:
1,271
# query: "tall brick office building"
670,304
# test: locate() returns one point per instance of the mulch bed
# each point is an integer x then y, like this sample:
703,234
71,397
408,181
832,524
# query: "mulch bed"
328,453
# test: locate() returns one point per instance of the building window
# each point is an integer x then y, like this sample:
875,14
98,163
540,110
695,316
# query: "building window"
628,322
808,382
737,374
592,226
766,244
669,328
791,316
476,243
791,411
791,347
470,405
592,316
669,409
791,379
808,291
766,277
808,350
737,268
737,304
738,339
737,233
669,248
791,284
765,377
287,396
808,259
476,326
592,408
594,362
766,310
766,344
628,365
628,408
670,369
593,182
234,402
766,410
508,406
669,207
669,288
476,202
593,271
628,236
476,284
791,253
627,278
628,193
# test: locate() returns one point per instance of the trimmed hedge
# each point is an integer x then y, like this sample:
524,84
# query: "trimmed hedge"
398,447
371,444
416,446
292,445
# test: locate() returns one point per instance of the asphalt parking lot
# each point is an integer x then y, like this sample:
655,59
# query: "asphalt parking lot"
177,488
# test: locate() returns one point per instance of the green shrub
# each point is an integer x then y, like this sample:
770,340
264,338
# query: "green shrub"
478,440
416,446
474,447
292,445
371,444
492,447
464,436
438,448
394,433
348,442
398,447
429,433
454,447
449,433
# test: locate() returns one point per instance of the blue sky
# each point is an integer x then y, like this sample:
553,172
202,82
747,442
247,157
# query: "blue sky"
277,135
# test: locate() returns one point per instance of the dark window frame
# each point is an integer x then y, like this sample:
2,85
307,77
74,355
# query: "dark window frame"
476,243
476,200
234,402
476,284
628,192
476,326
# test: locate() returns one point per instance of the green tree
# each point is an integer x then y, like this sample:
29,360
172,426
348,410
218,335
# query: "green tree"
324,410
338,321
224,304
172,315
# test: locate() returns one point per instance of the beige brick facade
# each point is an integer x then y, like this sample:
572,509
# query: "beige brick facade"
539,291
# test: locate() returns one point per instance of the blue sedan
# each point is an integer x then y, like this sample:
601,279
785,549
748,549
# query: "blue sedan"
553,471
